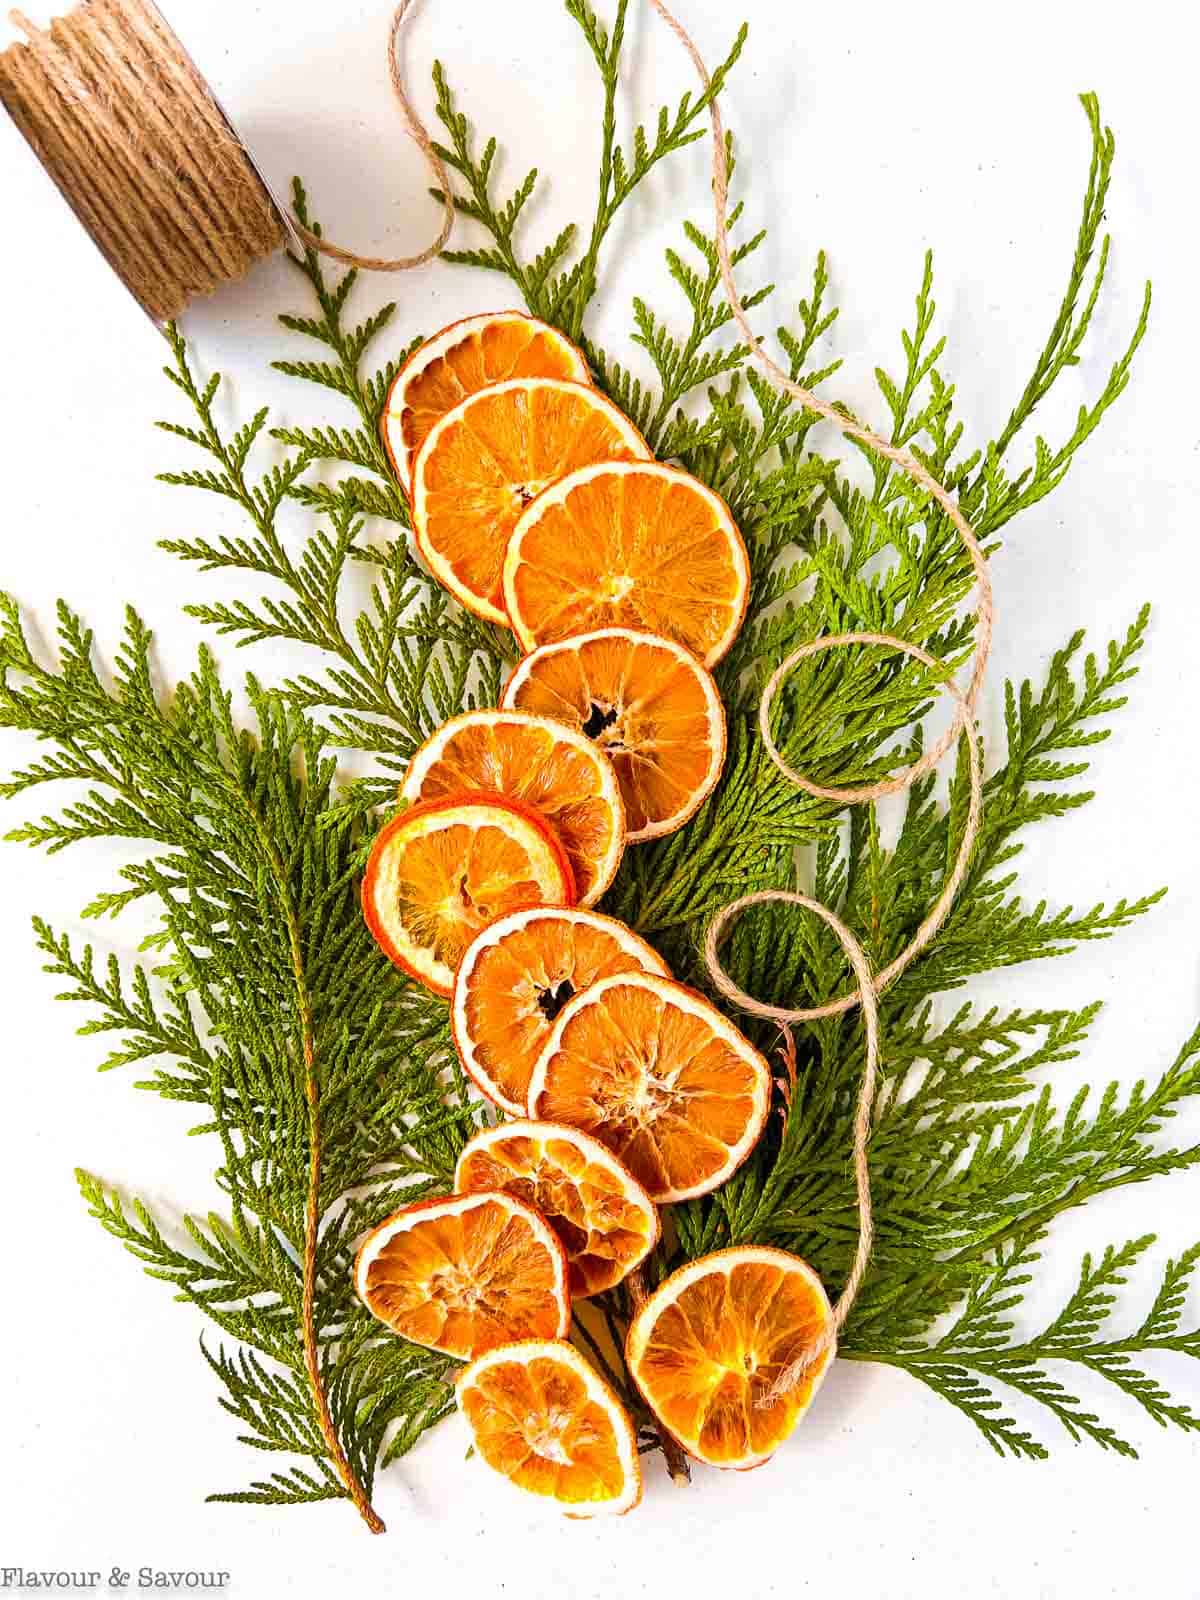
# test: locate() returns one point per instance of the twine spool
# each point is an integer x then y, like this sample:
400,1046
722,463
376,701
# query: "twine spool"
137,143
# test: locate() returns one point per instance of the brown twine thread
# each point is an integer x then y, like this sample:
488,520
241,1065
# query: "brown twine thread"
963,723
116,112
420,133
869,985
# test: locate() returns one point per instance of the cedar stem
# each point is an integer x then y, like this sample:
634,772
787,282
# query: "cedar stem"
312,1210
312,1217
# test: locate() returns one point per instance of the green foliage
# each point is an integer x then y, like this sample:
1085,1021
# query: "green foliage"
971,1157
556,293
411,658
979,1351
329,1080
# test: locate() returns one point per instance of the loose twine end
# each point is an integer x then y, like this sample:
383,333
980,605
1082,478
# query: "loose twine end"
420,133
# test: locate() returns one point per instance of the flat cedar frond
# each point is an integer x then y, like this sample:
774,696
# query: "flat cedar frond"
328,1080
980,1354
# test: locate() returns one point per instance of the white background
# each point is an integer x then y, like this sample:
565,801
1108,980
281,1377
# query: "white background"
873,131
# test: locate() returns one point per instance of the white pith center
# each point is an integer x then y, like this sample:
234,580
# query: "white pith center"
651,1096
543,1435
458,1287
616,587
460,906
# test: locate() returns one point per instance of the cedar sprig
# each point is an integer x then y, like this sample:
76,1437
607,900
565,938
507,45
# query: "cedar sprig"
326,1079
410,659
557,293
981,1354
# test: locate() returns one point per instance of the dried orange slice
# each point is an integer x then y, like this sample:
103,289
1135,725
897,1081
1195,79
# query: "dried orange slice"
649,705
440,872
628,544
465,1273
483,462
709,1343
515,979
546,1421
541,764
461,359
603,1217
659,1076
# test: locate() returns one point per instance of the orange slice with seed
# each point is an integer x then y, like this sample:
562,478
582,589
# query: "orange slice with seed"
708,1345
649,705
440,872
657,1074
486,460
603,1217
465,1273
517,976
461,359
628,544
540,764
544,1419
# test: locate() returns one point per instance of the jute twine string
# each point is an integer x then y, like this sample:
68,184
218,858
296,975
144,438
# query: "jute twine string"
963,723
116,112
421,134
